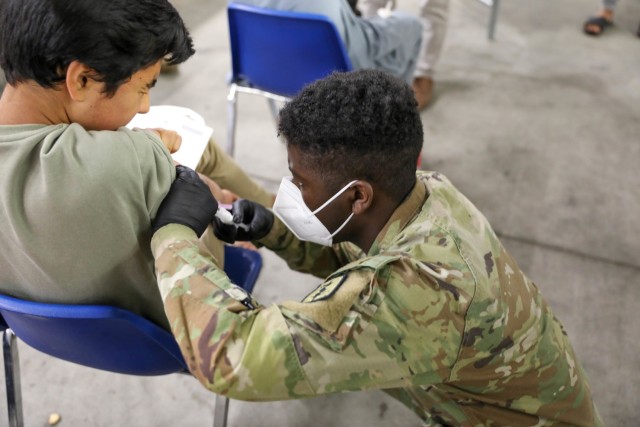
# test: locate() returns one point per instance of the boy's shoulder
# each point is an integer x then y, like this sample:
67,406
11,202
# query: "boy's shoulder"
72,147
122,146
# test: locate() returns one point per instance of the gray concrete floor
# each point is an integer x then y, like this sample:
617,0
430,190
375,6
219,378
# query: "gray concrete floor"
540,128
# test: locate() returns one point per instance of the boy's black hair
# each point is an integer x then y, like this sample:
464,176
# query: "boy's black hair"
357,125
116,38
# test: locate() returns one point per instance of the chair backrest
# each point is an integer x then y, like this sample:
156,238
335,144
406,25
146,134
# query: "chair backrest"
111,338
282,51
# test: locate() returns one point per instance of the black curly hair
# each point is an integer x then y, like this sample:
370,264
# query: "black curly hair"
116,38
357,125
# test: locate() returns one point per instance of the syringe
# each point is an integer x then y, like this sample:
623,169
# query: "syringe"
227,218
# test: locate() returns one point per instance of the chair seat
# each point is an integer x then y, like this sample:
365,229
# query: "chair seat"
101,337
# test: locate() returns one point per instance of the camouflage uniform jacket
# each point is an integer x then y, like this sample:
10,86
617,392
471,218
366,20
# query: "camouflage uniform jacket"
437,314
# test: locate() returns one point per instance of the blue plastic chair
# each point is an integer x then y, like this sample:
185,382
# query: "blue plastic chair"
103,337
276,53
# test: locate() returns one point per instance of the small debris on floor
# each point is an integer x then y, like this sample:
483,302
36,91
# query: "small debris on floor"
54,418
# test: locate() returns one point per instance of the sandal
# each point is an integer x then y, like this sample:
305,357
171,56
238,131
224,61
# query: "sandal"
599,22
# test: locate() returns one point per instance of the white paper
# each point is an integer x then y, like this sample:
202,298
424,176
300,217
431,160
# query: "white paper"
189,125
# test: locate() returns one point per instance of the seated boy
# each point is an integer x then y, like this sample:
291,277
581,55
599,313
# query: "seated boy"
78,191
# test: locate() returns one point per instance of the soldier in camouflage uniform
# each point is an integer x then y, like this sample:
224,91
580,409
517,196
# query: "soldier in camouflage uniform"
419,297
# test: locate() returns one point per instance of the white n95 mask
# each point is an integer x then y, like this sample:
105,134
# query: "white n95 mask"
294,213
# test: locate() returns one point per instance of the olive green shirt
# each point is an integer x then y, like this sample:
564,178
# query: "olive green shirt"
76,215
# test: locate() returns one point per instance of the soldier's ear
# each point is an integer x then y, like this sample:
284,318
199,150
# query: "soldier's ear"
362,197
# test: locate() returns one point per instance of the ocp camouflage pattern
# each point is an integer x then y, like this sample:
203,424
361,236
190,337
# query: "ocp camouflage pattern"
437,314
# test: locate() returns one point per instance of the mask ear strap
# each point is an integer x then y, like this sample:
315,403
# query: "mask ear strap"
335,196
342,226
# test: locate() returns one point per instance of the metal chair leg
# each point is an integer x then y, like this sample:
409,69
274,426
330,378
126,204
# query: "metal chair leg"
220,411
493,18
12,378
232,98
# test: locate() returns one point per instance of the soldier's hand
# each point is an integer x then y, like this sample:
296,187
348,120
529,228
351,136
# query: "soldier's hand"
189,202
252,221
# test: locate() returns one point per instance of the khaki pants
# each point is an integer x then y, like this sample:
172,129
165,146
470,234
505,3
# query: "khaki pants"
223,169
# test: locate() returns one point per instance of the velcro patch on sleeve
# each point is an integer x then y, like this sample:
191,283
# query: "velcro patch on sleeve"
325,290
330,302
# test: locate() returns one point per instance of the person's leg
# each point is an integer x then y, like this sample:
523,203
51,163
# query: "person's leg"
217,165
394,43
608,6
369,8
596,25
434,16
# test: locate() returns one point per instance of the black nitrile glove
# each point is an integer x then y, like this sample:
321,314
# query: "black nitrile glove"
189,202
252,221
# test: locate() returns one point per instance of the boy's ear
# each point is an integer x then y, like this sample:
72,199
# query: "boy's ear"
78,80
